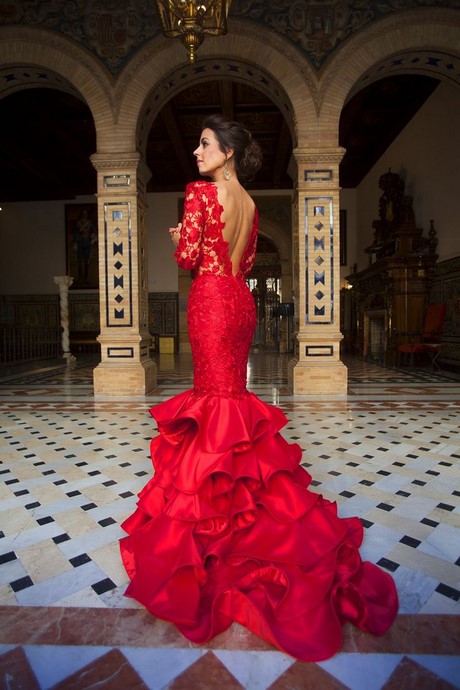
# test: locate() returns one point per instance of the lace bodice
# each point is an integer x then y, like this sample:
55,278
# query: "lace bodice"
201,246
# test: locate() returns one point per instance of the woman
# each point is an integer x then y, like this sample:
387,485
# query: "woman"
227,530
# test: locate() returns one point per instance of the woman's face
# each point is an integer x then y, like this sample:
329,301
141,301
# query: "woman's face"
209,156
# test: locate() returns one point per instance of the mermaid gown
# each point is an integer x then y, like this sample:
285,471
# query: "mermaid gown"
227,530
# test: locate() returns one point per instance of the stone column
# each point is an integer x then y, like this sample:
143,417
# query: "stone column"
125,368
63,283
316,368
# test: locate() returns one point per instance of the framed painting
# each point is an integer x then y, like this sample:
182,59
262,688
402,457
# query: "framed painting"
81,246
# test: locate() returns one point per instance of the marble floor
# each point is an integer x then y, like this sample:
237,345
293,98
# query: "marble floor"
71,467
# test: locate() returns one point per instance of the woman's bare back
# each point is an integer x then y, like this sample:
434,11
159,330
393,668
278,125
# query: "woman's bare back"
238,217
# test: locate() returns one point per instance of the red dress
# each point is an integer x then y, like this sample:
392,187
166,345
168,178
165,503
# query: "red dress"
227,529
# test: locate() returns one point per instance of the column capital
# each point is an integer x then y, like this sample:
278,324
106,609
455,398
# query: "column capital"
333,154
117,163
63,282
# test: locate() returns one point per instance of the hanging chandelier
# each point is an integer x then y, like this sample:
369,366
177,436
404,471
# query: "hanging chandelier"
193,20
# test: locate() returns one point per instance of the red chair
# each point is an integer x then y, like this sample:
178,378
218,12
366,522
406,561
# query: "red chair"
430,338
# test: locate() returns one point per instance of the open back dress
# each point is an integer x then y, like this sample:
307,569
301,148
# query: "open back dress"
227,529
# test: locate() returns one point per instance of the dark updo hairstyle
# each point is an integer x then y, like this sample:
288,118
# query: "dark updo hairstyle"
247,154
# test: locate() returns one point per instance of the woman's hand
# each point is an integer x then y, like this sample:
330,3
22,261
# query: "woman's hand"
174,233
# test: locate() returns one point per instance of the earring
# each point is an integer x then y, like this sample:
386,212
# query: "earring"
226,171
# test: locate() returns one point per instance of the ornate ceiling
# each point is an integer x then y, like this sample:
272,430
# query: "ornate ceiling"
48,132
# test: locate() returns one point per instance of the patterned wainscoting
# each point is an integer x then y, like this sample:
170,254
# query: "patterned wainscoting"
164,316
30,324
446,289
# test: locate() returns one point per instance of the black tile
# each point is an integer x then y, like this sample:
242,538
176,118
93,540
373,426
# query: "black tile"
366,482
111,482
88,506
103,586
384,473
30,506
385,506
388,565
141,474
22,492
419,482
125,464
79,560
106,522
334,473
126,494
447,591
347,494
45,520
22,583
80,464
93,473
12,481
366,523
410,541
7,557
430,523
445,506
402,493
61,538
71,494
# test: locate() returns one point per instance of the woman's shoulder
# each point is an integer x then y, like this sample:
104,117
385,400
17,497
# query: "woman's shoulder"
199,186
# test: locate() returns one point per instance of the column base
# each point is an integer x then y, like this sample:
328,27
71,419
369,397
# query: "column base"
315,378
127,380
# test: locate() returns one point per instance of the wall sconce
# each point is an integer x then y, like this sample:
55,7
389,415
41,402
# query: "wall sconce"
193,20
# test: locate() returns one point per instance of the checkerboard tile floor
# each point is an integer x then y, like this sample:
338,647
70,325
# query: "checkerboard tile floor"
70,469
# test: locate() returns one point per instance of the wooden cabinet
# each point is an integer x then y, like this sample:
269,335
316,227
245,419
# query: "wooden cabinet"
389,297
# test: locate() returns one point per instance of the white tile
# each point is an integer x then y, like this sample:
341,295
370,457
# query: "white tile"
52,664
378,541
443,543
255,670
158,667
362,671
447,667
414,589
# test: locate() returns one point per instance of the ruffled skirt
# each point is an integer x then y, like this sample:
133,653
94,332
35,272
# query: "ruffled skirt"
227,530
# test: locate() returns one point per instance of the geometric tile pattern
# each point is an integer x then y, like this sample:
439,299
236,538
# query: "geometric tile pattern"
70,469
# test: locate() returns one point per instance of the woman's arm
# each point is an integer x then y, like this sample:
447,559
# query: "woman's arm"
187,236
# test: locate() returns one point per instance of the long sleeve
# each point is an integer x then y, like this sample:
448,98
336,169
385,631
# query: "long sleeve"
188,253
